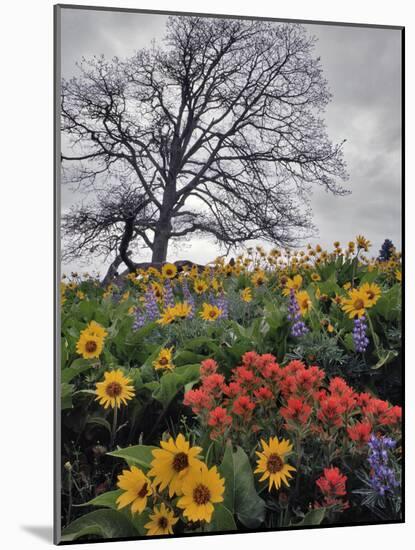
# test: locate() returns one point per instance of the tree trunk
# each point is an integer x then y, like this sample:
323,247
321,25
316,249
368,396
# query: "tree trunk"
112,270
160,246
124,244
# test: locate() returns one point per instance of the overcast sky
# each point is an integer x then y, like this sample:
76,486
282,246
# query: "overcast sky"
363,69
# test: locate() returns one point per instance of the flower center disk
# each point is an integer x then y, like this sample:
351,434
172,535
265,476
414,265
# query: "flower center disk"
114,389
91,346
201,494
180,462
275,463
163,522
143,491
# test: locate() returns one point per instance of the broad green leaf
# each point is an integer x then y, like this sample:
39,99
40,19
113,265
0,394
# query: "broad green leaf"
66,395
106,500
138,455
172,382
139,520
389,304
77,367
222,519
313,517
240,496
64,352
385,357
186,357
107,524
100,422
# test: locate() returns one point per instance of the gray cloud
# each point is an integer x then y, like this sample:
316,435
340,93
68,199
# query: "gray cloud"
362,66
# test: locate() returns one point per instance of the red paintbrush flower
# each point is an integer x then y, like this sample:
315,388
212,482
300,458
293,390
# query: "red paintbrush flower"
198,400
219,417
360,432
296,411
243,405
363,399
391,416
288,386
263,394
331,411
213,384
250,359
294,366
208,366
332,483
233,389
245,376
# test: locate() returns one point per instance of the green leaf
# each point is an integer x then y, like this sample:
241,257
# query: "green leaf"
107,524
385,357
106,500
186,357
313,517
389,304
100,422
138,455
240,496
66,395
172,382
77,367
222,520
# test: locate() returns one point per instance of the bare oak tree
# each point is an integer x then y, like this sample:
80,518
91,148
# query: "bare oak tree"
219,128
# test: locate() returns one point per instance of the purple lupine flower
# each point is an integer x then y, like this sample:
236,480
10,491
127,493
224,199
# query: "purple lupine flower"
150,304
140,319
222,303
361,341
188,297
383,478
298,327
151,310
168,294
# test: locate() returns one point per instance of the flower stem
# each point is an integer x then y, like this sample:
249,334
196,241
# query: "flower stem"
114,427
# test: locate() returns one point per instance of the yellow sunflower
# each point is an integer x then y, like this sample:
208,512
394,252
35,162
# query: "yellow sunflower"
164,360
89,345
182,310
201,490
398,275
210,312
272,464
96,329
294,284
303,301
173,463
363,243
373,292
169,271
162,521
91,341
356,303
200,286
157,288
136,487
259,278
217,285
167,317
315,277
246,295
114,389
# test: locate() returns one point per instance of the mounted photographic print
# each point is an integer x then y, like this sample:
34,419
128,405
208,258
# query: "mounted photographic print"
229,352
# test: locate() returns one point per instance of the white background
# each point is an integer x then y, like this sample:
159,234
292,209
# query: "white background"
26,254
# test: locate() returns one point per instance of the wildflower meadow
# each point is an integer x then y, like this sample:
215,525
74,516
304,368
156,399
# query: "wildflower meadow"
260,392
